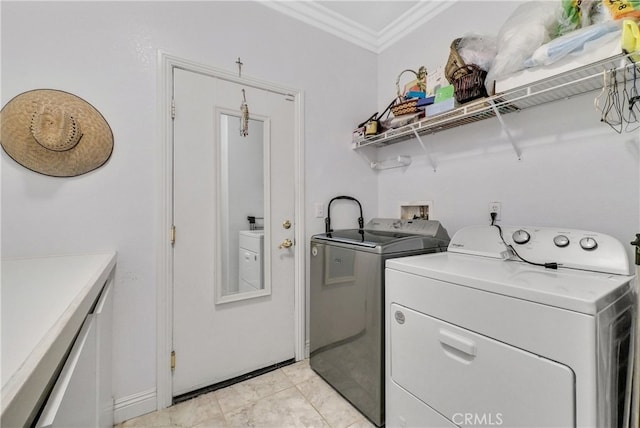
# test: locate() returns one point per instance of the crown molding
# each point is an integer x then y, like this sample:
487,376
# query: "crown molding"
413,18
327,20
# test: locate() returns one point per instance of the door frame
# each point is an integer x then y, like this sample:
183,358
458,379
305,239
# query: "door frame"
164,295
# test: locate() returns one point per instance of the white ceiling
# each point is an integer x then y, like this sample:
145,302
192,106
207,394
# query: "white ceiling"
371,24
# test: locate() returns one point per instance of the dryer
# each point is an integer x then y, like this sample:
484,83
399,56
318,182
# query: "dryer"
476,336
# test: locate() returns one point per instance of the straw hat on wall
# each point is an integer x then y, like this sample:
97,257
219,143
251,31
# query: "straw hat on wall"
55,133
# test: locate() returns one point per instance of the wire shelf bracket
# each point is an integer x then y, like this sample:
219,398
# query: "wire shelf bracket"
505,129
424,148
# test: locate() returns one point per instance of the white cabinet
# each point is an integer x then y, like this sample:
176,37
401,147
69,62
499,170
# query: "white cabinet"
104,331
72,402
81,396
51,305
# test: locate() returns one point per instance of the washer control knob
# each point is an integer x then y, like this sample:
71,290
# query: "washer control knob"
521,236
588,243
561,241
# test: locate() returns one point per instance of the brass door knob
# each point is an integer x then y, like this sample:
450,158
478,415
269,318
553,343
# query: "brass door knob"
286,244
286,224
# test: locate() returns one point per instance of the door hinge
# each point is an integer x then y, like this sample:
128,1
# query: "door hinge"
173,108
173,360
172,234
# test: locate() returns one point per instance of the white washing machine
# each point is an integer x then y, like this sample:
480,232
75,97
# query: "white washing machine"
478,337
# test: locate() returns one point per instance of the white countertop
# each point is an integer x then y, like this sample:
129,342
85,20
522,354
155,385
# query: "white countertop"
44,302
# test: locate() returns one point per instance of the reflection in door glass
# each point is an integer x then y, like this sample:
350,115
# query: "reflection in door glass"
242,207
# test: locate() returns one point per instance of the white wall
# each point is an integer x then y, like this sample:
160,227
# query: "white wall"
105,52
575,171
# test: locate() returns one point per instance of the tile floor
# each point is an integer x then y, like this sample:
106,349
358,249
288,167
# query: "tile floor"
292,396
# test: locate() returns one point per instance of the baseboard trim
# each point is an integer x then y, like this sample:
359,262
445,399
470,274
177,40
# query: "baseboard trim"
134,405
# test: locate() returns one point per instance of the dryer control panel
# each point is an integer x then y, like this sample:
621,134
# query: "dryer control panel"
569,248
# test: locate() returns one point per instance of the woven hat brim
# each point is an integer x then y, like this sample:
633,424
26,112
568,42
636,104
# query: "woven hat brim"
92,151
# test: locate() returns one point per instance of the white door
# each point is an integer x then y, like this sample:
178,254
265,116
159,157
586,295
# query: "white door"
221,330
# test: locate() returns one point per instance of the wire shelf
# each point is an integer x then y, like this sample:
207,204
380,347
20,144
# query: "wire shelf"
579,81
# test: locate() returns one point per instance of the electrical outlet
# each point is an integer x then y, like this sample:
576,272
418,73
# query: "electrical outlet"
496,207
319,209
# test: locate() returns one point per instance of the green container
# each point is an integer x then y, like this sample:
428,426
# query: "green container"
444,93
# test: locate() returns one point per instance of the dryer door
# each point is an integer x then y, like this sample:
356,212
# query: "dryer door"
474,380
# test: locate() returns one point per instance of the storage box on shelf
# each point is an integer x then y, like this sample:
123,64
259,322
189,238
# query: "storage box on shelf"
570,83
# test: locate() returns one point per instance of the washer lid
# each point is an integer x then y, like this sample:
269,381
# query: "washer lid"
575,290
365,237
392,235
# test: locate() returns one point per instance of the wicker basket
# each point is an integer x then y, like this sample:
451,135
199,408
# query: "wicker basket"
404,107
467,79
455,61
468,83
401,106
